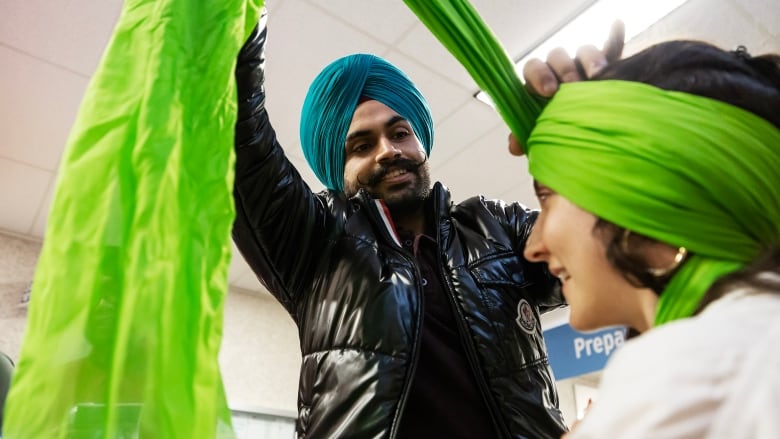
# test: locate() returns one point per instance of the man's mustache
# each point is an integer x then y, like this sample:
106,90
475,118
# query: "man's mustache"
405,164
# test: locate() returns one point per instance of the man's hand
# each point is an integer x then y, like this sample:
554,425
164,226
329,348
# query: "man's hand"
544,77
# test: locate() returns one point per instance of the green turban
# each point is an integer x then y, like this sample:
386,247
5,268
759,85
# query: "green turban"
331,102
683,169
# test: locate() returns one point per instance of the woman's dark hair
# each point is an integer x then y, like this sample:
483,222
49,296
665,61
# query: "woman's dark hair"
734,77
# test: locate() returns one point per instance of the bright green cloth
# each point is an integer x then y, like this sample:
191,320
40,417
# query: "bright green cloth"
125,319
461,30
683,169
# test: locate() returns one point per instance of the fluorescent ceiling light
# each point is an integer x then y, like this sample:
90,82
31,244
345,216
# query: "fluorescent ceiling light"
592,27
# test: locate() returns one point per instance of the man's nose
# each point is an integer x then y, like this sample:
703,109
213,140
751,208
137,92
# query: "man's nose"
387,150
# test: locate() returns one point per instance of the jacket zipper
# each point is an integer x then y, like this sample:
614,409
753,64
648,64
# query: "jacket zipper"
415,348
394,244
471,353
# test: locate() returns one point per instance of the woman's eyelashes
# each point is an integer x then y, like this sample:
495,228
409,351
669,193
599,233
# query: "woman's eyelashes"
543,193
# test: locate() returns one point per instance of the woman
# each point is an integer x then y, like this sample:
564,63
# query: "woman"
659,184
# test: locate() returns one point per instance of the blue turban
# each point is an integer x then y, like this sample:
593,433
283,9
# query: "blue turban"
331,102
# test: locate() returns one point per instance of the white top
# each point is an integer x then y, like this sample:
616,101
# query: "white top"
716,375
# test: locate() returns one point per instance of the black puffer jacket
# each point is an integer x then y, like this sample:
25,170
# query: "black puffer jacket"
355,294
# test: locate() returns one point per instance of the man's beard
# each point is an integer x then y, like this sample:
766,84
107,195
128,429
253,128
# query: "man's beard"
410,198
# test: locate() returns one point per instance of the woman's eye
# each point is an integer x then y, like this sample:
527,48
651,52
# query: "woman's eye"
542,195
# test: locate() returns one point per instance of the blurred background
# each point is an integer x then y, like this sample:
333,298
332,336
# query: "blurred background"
49,50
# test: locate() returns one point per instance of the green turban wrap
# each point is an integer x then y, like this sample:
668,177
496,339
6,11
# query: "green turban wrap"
683,169
331,102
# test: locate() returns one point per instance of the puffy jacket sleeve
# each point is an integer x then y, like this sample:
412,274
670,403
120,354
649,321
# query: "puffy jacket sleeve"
280,225
548,289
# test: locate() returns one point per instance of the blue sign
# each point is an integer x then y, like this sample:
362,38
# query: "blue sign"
574,353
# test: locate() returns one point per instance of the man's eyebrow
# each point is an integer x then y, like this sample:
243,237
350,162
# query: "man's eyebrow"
394,120
362,133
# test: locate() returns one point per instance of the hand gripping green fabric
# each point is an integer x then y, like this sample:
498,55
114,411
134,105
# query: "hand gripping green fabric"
461,30
680,168
125,320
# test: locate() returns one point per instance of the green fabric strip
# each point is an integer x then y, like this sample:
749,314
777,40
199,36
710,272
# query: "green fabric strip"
125,320
461,30
686,170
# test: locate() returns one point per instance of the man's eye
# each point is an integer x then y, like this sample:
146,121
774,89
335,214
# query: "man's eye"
361,148
400,134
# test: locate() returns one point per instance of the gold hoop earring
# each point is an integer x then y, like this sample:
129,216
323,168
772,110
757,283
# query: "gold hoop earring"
682,253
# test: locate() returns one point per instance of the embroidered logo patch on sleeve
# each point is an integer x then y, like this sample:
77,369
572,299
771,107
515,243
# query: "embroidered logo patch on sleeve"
525,317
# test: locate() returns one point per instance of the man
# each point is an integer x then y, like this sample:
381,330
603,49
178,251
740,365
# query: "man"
417,317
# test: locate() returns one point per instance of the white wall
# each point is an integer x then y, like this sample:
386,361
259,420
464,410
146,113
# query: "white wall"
260,357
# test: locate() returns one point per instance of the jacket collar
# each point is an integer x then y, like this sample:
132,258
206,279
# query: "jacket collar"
439,197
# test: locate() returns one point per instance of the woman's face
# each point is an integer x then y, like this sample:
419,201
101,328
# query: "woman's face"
597,293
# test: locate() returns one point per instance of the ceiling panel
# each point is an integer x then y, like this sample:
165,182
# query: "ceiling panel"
444,97
22,188
385,20
520,24
38,229
767,14
465,128
39,105
421,45
726,24
517,24
71,33
483,169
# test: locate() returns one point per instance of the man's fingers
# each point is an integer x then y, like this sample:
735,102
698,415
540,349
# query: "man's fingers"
543,78
563,65
591,59
514,146
539,78
613,47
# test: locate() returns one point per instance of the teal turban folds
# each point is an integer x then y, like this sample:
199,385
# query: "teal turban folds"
683,169
331,102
